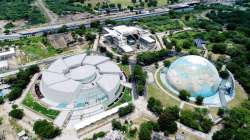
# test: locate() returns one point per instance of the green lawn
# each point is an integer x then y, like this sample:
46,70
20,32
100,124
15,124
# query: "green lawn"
30,102
240,96
126,97
166,100
36,48
125,69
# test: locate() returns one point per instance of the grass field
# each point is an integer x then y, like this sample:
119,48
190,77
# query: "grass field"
125,69
36,48
240,96
154,91
31,103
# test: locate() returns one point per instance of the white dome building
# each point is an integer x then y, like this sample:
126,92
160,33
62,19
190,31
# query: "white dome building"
80,81
195,74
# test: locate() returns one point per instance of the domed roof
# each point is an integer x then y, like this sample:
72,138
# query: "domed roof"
195,74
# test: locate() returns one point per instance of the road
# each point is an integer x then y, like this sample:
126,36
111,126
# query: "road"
48,13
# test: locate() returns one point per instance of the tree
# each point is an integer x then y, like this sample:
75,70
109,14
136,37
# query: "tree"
119,6
90,37
219,48
178,48
224,74
1,120
145,131
109,54
1,100
167,119
9,25
98,135
193,51
154,106
187,44
221,112
116,125
63,29
95,24
6,31
184,95
46,129
123,111
224,134
125,59
199,100
166,63
16,113
133,1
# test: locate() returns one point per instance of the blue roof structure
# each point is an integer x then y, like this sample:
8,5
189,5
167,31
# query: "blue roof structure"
199,42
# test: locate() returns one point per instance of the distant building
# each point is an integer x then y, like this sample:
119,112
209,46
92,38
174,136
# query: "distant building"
60,41
10,37
4,65
147,41
113,135
6,53
199,43
128,38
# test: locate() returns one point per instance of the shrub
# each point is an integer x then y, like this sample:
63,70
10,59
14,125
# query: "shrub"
99,135
125,59
22,79
46,129
221,112
123,111
224,74
116,125
16,113
199,100
184,95
154,106
186,44
1,100
219,48
145,131
166,63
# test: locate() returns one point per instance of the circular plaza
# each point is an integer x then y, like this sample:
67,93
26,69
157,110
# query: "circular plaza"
81,81
199,77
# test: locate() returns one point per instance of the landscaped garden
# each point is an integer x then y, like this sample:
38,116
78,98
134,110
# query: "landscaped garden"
126,97
125,69
31,103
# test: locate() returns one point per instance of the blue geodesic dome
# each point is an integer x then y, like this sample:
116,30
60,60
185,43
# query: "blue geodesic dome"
195,74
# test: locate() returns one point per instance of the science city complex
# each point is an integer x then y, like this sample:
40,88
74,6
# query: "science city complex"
81,81
199,77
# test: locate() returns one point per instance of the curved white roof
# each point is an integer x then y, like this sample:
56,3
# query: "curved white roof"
95,60
67,86
74,61
51,77
109,67
58,66
108,82
82,73
81,79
